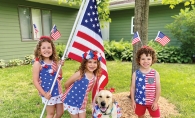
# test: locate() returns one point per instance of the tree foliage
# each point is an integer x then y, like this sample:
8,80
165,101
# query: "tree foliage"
183,28
103,7
172,3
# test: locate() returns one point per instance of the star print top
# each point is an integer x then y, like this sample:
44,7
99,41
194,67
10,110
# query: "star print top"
47,76
145,87
76,95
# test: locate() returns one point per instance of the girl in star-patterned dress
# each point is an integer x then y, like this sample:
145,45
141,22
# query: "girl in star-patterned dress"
44,72
145,85
80,84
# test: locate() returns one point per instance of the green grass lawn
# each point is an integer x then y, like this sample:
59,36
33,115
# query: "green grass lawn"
19,98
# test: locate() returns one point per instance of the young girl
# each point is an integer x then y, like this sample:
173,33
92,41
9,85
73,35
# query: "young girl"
145,86
44,72
80,84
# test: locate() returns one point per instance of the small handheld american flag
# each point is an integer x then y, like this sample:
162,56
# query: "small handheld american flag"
136,38
162,38
36,30
55,34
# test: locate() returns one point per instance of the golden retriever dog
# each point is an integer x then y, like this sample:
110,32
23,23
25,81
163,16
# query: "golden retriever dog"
106,107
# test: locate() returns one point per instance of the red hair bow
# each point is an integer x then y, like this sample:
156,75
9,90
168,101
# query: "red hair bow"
45,37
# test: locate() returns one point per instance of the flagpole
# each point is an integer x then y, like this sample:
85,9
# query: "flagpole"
157,35
139,38
73,29
82,5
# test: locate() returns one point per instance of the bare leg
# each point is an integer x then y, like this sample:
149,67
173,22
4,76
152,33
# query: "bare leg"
50,111
59,110
82,115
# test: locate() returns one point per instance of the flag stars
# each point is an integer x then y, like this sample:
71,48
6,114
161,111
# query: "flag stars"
89,14
91,19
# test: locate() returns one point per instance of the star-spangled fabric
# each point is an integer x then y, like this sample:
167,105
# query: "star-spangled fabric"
145,87
75,97
87,36
47,76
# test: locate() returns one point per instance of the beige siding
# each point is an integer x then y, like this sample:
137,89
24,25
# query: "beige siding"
11,45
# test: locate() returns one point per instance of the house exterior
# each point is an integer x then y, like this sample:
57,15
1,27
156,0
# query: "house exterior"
17,34
122,14
18,37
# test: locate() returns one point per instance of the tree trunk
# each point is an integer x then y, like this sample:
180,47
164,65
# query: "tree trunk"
140,25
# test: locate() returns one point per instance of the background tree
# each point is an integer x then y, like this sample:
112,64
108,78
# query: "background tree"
172,3
141,25
103,8
183,29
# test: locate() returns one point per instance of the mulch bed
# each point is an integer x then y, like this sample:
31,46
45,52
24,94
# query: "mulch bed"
166,108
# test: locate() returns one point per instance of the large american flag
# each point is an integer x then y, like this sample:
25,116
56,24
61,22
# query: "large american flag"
88,36
162,38
136,38
55,34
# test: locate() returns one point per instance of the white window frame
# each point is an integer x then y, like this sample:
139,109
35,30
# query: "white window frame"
36,17
132,25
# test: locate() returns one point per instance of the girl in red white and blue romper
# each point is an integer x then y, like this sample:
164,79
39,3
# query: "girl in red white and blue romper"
44,71
145,86
81,83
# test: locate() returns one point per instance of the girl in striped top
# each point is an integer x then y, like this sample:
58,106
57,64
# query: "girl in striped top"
145,86
80,84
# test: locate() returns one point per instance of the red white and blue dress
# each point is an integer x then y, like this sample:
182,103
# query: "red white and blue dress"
75,97
47,76
145,85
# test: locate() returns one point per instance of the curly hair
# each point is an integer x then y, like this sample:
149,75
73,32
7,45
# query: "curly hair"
82,68
37,51
148,51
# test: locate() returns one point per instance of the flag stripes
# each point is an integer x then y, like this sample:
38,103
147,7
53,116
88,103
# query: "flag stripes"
87,35
150,88
162,38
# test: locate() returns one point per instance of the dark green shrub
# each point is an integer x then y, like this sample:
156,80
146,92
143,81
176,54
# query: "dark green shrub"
60,49
183,28
15,62
28,59
2,63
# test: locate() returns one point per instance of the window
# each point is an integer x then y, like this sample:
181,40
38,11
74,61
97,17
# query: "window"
132,25
31,18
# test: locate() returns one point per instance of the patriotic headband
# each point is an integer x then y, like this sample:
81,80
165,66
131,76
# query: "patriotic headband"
46,37
92,55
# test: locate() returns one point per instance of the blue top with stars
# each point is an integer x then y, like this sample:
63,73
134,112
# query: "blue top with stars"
47,79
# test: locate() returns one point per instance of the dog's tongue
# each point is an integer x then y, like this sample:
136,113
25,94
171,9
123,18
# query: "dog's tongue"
103,109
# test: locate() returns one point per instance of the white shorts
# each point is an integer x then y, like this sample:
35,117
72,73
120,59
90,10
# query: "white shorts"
53,100
73,110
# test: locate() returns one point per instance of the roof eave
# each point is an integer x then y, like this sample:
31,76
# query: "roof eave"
130,6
